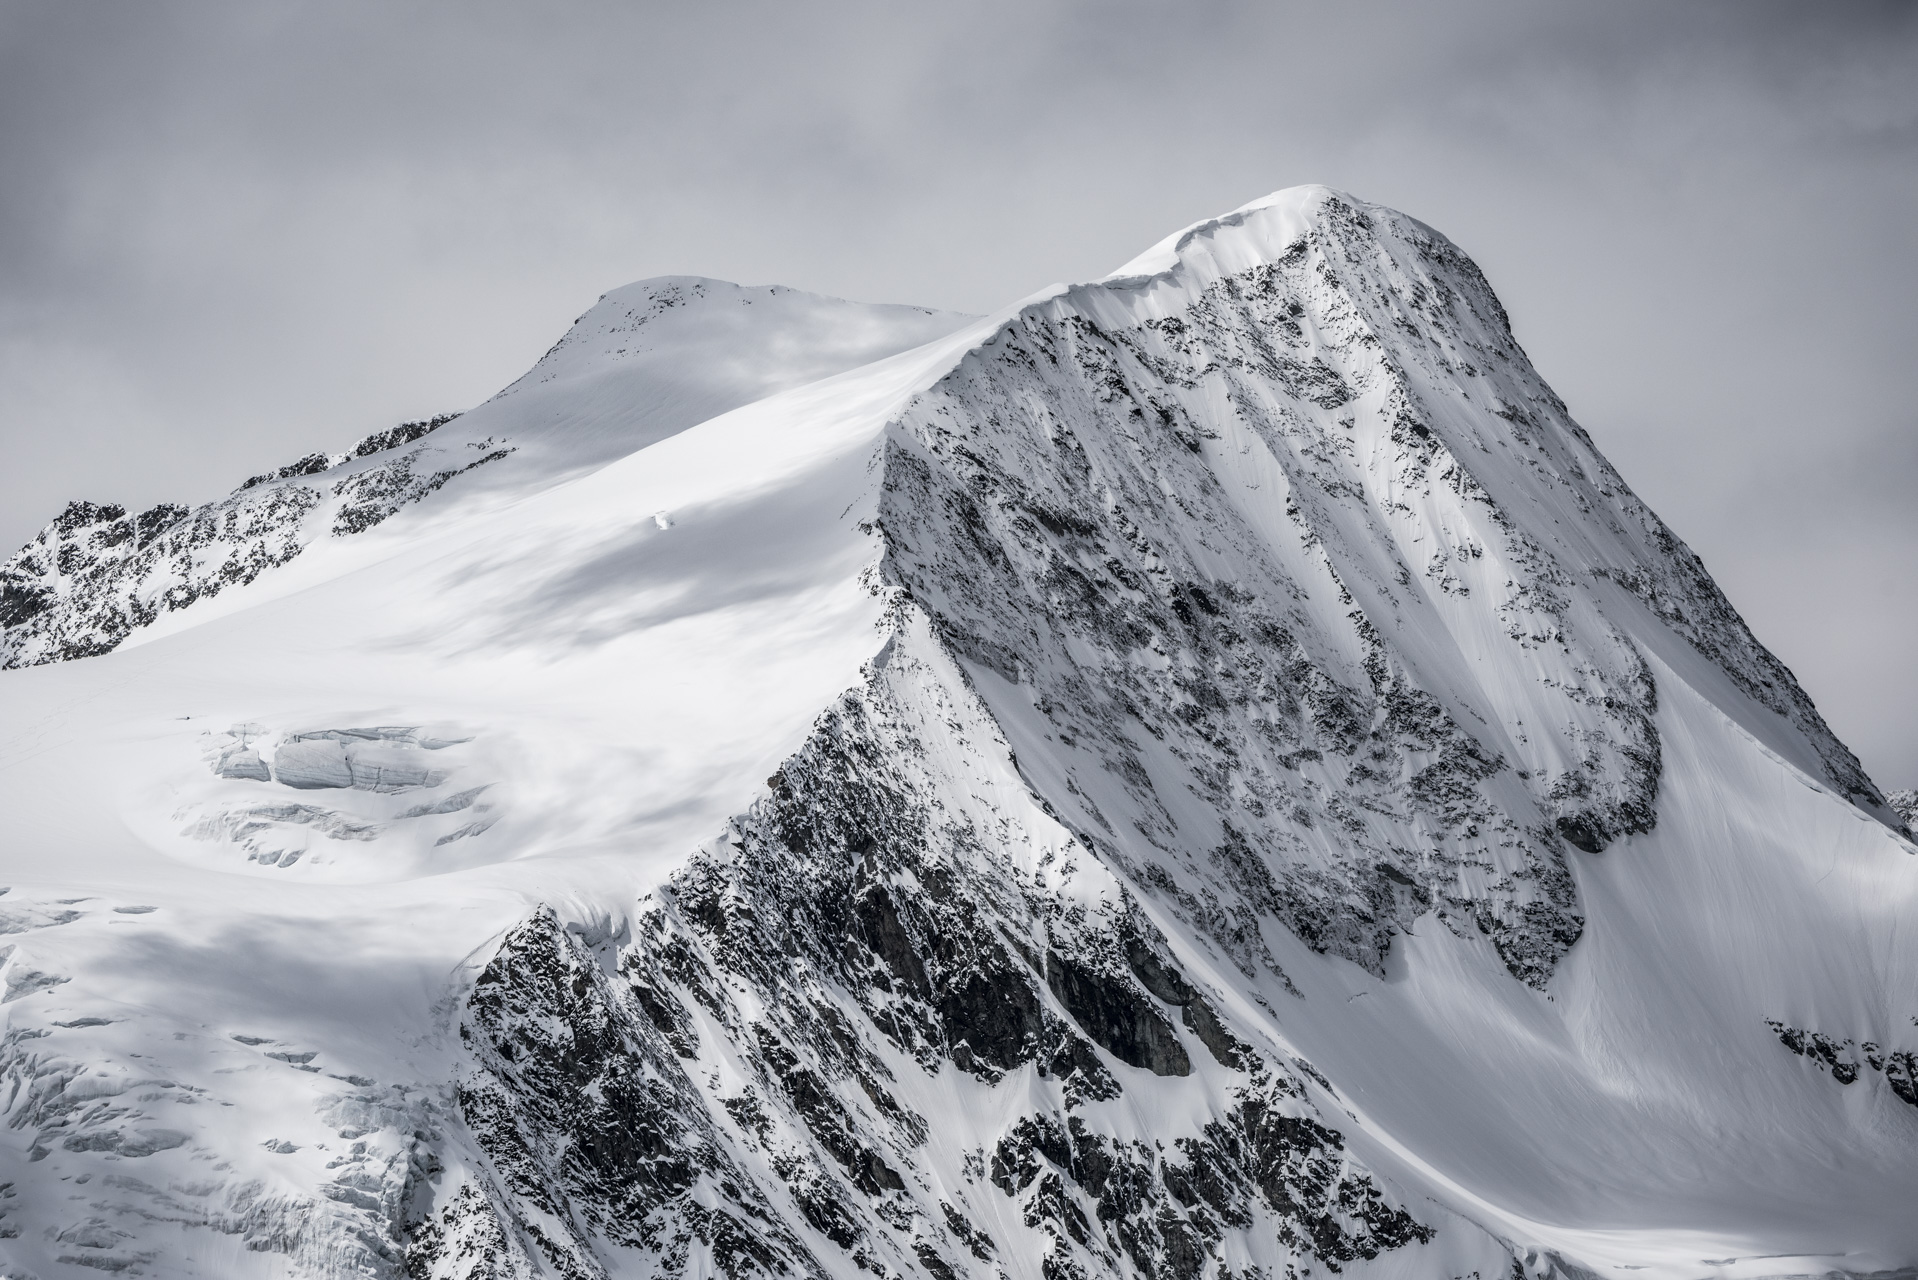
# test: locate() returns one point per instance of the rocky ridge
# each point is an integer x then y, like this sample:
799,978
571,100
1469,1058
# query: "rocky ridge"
95,574
853,957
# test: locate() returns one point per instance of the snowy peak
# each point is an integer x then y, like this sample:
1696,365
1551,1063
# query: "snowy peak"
1205,774
646,362
1188,503
1465,406
1257,232
741,342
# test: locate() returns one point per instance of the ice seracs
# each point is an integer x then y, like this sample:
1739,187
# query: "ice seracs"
1206,773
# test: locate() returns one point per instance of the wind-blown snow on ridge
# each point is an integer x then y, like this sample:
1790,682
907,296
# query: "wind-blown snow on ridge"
1251,791
647,361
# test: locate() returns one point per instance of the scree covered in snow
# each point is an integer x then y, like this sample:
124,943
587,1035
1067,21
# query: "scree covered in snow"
1202,773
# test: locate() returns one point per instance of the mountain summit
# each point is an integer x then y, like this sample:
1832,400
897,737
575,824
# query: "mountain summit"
1204,773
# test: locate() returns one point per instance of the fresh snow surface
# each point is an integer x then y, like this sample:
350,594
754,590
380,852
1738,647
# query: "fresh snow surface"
627,857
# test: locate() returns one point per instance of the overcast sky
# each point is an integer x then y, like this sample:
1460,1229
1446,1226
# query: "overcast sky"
232,234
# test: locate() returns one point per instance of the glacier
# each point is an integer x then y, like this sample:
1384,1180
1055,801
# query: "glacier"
1206,772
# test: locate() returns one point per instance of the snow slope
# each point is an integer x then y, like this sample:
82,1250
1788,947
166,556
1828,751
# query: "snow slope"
1203,772
647,361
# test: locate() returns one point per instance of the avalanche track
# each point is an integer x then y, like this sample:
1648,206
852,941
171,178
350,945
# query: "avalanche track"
1204,773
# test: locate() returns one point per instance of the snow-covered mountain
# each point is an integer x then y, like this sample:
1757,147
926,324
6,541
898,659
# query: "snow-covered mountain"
1201,773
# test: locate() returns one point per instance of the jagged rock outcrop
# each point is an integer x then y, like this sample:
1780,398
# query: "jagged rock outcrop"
96,573
1066,504
1842,1059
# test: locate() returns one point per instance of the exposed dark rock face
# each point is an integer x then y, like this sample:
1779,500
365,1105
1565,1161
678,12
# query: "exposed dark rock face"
95,573
1048,504
1905,805
1111,1012
1167,1215
786,1023
372,495
405,433
594,1136
1845,1060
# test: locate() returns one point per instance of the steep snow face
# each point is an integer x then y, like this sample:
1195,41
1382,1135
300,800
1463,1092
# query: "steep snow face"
1302,602
1204,773
1290,530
